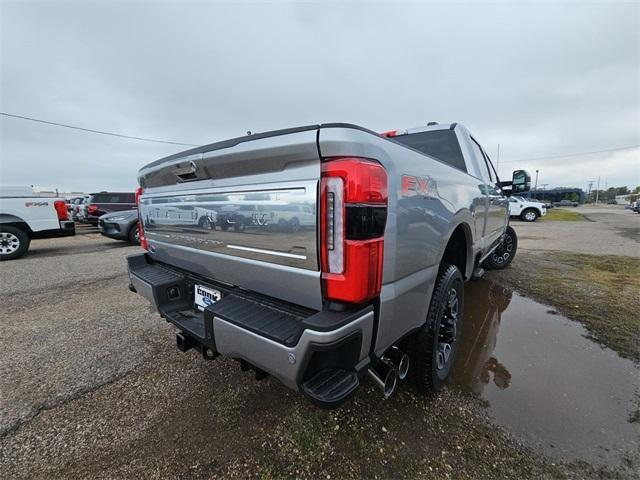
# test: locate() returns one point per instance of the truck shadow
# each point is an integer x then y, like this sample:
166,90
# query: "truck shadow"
39,252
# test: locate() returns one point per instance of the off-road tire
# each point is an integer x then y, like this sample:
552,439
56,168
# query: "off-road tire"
504,254
424,345
12,234
529,215
134,234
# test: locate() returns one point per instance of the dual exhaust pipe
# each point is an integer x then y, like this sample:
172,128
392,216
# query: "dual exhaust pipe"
392,366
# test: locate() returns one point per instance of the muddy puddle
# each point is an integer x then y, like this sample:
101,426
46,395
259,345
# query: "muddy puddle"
543,380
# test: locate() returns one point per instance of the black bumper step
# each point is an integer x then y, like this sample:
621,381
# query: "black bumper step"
329,388
156,275
281,326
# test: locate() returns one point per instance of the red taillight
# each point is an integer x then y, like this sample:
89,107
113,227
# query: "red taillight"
143,240
61,210
92,209
353,215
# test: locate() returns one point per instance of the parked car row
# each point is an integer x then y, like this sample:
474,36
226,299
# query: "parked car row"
89,208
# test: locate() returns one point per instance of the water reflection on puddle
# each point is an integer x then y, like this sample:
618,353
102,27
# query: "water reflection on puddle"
543,380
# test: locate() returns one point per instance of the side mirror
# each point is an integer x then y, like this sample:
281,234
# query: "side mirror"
521,181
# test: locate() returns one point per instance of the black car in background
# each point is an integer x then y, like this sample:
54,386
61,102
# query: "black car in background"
106,202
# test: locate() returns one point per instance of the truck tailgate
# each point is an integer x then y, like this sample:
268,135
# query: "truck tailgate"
242,212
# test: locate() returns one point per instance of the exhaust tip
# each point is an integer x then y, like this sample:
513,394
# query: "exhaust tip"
387,382
398,360
403,367
390,383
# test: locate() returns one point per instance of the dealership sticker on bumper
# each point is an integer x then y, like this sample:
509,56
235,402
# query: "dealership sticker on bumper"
205,296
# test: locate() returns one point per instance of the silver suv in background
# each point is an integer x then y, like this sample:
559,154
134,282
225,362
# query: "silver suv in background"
120,226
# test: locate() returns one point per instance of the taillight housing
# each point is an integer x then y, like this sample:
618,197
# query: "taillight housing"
61,210
143,240
353,213
92,209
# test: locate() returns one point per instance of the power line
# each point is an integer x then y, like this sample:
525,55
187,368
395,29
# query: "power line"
96,131
630,147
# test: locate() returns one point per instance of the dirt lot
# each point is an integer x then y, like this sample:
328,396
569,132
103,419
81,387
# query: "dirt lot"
92,385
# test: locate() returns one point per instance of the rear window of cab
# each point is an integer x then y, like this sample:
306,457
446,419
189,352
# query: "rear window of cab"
440,144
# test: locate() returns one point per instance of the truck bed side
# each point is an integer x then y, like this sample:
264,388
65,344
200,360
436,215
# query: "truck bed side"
422,215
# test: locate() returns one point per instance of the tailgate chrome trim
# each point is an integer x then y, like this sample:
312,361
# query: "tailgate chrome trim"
267,252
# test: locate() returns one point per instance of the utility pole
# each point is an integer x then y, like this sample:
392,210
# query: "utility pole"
536,187
589,189
597,190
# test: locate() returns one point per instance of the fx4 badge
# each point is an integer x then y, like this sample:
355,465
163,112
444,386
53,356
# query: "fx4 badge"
413,186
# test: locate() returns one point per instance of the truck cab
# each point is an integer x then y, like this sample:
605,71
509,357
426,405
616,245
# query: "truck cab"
527,210
25,215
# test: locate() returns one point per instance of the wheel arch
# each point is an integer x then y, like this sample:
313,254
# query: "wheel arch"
459,250
532,207
14,221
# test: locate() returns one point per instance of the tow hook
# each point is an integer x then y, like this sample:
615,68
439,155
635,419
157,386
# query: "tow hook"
184,342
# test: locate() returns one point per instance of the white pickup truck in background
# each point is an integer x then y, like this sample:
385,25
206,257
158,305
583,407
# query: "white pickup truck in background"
24,215
527,210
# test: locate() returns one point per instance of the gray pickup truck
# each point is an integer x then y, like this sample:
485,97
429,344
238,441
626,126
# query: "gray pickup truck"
351,257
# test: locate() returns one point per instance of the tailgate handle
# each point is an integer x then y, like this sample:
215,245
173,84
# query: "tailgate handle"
186,173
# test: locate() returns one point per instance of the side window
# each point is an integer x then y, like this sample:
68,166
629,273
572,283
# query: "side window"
492,170
477,152
440,144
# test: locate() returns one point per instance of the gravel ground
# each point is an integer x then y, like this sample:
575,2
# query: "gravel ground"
610,230
92,385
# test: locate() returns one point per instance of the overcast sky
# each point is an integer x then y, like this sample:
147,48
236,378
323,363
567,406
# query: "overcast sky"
540,79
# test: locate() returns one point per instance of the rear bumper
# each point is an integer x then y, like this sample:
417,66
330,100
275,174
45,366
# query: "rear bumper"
67,229
289,342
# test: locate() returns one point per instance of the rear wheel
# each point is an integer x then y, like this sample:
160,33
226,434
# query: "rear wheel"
504,253
434,347
14,242
529,215
134,234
